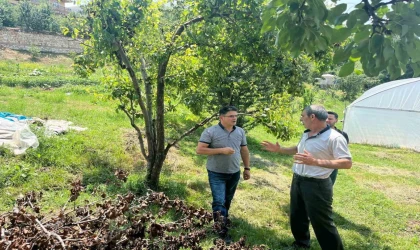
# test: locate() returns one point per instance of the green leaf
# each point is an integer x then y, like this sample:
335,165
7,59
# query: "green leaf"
376,41
269,21
358,71
351,21
416,69
361,35
340,35
281,20
355,53
417,7
336,12
297,34
401,53
283,36
388,52
321,43
319,10
327,31
375,2
339,20
380,63
354,59
359,5
346,69
394,71
268,25
382,11
357,16
404,30
339,56
294,6
342,54
412,50
276,3
310,48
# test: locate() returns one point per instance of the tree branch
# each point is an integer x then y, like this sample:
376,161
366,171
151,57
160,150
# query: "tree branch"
376,21
133,124
46,231
146,115
181,28
191,130
390,2
147,85
51,233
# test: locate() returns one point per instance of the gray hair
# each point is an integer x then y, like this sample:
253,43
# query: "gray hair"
319,111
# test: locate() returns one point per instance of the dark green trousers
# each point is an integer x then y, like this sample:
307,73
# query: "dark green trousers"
311,201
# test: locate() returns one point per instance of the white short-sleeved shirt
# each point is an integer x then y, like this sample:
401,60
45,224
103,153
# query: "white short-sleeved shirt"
327,145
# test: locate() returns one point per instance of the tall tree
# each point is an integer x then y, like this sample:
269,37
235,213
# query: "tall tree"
384,34
203,54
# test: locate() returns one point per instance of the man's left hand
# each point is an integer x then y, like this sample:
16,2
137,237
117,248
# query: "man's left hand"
305,158
247,174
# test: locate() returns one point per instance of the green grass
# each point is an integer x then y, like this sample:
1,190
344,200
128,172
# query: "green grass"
50,71
376,203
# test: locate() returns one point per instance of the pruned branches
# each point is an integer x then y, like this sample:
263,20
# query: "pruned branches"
126,222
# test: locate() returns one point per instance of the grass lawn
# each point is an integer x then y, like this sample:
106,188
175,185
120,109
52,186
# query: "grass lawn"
376,203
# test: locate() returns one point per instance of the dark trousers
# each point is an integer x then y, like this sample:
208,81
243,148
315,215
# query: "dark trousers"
223,187
333,176
311,201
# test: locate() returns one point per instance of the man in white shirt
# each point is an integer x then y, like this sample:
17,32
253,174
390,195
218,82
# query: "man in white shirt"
319,151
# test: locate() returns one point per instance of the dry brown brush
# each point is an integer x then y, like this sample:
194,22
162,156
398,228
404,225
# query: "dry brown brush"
148,222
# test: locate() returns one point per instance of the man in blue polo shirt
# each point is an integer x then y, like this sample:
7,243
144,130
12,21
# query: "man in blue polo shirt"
224,144
319,151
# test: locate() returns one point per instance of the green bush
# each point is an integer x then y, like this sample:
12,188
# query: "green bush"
35,52
8,16
353,85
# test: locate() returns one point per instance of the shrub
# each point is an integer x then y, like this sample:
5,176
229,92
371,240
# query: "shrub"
35,52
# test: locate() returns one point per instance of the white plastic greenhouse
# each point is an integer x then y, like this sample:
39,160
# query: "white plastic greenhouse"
387,115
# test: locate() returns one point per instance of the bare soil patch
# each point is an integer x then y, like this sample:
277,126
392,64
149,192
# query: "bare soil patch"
395,191
384,171
45,58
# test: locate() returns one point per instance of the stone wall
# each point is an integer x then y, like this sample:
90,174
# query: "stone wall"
19,40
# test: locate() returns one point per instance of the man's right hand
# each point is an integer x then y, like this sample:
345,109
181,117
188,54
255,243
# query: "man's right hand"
271,146
227,151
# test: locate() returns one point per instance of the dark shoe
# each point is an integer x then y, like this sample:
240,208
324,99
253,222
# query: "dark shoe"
227,239
228,223
296,245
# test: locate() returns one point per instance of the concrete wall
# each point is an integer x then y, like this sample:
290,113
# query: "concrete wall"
19,40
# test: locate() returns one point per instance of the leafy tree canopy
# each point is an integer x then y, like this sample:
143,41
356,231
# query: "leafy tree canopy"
203,54
383,34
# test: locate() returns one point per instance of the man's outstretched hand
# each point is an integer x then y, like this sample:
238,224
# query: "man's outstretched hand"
271,147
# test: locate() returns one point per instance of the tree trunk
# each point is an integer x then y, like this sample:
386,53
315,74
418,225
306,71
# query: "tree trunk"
154,167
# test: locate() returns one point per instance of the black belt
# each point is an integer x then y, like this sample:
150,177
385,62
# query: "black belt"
303,178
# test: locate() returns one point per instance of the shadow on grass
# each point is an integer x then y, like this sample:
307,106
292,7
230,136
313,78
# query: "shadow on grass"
101,174
369,240
256,236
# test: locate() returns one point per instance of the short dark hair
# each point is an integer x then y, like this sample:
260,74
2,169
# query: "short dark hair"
225,109
318,110
333,113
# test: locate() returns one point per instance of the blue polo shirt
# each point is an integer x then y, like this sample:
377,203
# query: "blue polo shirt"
218,137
